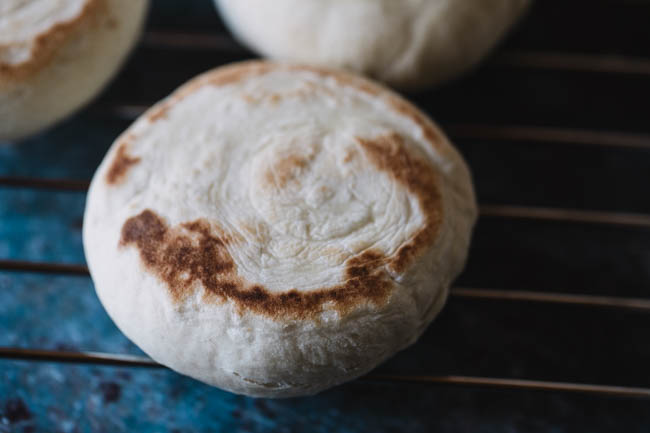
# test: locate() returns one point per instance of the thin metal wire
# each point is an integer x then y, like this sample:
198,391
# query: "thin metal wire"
549,135
553,60
48,268
576,62
553,298
460,292
517,384
77,357
127,111
566,215
41,183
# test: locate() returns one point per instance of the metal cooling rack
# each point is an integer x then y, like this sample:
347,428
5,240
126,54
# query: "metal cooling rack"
516,133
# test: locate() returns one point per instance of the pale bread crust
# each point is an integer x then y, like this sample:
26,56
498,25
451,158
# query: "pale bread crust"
197,259
60,60
408,44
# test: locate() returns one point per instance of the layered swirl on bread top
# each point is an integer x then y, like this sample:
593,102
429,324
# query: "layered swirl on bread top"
276,229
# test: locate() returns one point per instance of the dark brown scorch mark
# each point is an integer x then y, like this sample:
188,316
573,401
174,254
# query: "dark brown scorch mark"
180,257
159,111
191,255
121,164
389,154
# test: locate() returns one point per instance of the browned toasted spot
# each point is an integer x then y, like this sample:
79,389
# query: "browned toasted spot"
249,98
191,255
159,111
235,73
222,76
341,78
407,109
350,154
286,170
390,154
45,45
121,164
182,256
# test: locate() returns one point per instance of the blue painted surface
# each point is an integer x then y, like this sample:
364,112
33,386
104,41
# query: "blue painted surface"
56,312
41,225
470,337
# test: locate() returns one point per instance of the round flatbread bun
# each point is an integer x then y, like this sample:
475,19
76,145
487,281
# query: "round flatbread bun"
405,43
275,229
55,55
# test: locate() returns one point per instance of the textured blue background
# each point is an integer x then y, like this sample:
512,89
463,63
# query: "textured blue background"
489,338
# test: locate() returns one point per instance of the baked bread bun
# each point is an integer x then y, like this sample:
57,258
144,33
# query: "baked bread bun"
405,43
55,55
275,229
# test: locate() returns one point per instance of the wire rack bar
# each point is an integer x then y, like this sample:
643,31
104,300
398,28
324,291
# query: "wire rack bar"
575,62
549,135
554,60
127,111
77,357
638,304
566,215
43,183
41,267
519,384
139,361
